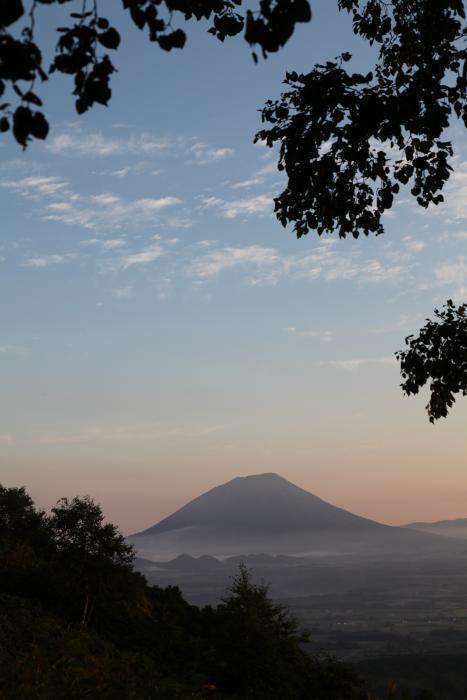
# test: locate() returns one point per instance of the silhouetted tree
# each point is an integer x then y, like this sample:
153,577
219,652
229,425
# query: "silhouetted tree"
336,128
259,653
80,50
92,549
79,530
24,532
348,141
439,355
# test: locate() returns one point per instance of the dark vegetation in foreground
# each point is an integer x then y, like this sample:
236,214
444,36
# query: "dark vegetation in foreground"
77,621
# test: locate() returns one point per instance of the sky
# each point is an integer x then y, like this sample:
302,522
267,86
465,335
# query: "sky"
161,333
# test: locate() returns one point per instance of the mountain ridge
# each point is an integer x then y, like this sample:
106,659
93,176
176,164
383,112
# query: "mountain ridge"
454,529
265,513
258,492
439,523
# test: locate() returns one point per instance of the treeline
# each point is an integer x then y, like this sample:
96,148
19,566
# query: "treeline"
77,621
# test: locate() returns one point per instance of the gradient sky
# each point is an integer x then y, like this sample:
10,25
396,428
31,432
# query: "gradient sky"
161,333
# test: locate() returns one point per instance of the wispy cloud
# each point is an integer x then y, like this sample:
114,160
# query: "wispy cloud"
257,178
6,349
454,207
454,275
112,243
107,210
354,365
122,172
144,257
213,263
326,262
47,260
247,206
37,185
123,292
404,323
204,154
456,193
76,143
323,336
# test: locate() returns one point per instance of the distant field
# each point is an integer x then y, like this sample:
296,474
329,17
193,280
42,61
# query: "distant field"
444,675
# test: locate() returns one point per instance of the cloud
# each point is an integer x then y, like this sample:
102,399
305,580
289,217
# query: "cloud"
251,206
105,243
123,172
454,275
113,243
210,202
248,206
403,251
76,143
326,262
204,154
323,336
455,195
354,365
123,292
142,258
12,350
37,185
413,245
453,235
257,178
404,323
213,263
107,210
47,260
246,184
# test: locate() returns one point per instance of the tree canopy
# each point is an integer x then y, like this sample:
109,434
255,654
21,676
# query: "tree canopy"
349,142
77,621
81,47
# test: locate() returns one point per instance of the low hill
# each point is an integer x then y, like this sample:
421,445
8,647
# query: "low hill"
456,528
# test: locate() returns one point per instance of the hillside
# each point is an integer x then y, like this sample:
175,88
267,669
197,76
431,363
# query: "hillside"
456,528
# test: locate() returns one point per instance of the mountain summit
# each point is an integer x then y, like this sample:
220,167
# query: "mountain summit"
261,503
265,513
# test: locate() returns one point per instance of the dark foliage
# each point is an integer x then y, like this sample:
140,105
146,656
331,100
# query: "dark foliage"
420,676
336,128
349,142
80,50
76,621
438,355
258,651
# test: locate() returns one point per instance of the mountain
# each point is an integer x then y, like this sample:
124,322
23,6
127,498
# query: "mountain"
265,513
456,528
265,503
